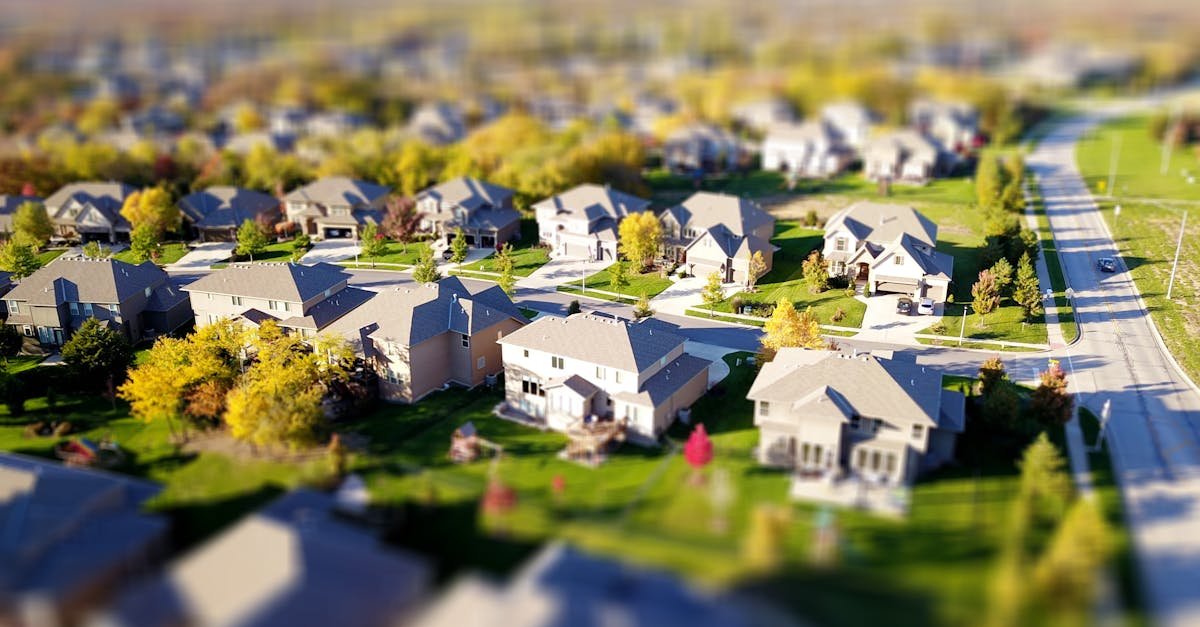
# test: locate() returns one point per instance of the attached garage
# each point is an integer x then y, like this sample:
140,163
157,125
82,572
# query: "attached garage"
893,287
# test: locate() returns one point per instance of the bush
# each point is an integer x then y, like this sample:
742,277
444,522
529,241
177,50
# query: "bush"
302,242
63,428
737,302
938,328
34,429
574,308
839,315
811,218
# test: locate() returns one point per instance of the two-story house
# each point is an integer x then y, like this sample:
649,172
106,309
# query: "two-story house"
214,214
851,121
483,211
304,299
563,371
336,206
953,125
711,232
701,147
419,338
903,156
438,123
811,149
834,416
889,247
140,301
583,221
90,211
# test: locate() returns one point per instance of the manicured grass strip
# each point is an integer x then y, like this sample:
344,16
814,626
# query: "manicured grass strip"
169,253
527,255
1058,282
48,255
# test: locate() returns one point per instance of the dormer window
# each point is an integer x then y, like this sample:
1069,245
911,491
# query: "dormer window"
899,260
839,244
918,431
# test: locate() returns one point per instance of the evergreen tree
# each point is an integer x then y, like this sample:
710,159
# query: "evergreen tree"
1026,289
426,270
458,246
1051,403
815,274
97,354
712,293
758,266
1003,271
504,265
991,373
989,181
986,296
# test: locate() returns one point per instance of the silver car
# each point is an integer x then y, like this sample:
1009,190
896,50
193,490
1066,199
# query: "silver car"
925,307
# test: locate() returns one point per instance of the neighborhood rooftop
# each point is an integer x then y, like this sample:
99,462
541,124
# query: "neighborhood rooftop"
276,281
704,210
884,222
80,279
225,206
611,342
468,193
338,190
594,202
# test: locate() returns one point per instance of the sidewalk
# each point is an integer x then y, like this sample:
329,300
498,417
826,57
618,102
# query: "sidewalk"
1054,334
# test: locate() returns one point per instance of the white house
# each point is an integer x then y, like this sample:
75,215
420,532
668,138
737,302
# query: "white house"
905,156
582,222
720,233
811,149
851,121
889,247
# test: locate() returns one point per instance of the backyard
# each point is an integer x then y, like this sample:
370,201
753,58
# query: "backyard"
1147,229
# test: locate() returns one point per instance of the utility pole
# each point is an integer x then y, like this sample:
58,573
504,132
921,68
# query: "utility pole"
1178,247
1112,163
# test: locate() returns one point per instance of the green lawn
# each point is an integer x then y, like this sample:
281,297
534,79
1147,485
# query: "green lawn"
48,255
274,252
1146,232
650,283
22,362
786,280
528,255
396,253
169,253
1058,282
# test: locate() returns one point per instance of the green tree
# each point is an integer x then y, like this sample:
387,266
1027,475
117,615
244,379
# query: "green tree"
991,373
640,238
426,270
1003,271
417,165
247,118
1045,487
99,115
712,294
788,328
32,223
618,276
251,239
143,243
1013,195
96,250
573,308
96,353
458,246
986,296
1026,289
758,266
11,341
815,274
503,264
989,181
1065,577
642,308
18,259
372,242
152,207
1002,407
1051,404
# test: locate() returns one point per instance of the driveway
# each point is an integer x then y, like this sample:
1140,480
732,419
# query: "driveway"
683,294
203,256
882,323
331,251
561,270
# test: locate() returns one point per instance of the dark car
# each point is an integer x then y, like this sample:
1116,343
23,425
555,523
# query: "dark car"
904,306
1106,264
447,254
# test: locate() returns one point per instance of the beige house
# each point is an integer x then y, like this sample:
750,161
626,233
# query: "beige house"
953,125
712,232
419,338
90,211
483,211
701,147
302,298
890,248
336,206
835,417
214,214
810,149
582,222
563,371
850,121
904,156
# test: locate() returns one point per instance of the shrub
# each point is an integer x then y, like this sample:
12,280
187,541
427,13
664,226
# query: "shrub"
302,242
737,302
63,428
811,218
34,429
938,328
574,308
839,315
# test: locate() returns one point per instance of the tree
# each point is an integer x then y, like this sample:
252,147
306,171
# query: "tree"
99,115
815,274
18,259
1003,271
763,545
32,224
618,276
986,296
1013,195
503,264
712,293
991,373
573,308
1051,403
251,239
402,220
642,308
1026,289
1065,576
152,208
698,450
96,353
96,250
758,266
247,118
143,243
641,237
417,165
372,242
1001,408
206,402
458,246
989,181
11,341
1045,486
788,328
426,270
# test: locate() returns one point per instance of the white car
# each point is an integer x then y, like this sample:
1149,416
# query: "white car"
925,308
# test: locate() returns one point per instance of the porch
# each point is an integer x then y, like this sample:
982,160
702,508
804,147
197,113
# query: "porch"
852,491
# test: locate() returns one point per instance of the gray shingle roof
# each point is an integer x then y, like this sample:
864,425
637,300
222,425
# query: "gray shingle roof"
106,195
901,142
87,281
274,281
468,193
658,388
338,190
594,201
225,207
325,312
704,210
610,342
882,223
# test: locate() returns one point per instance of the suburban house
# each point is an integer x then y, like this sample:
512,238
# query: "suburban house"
90,211
582,222
483,211
419,338
214,214
953,125
890,248
711,232
835,417
851,121
9,203
561,372
905,156
299,561
438,123
306,299
759,115
140,301
336,206
71,537
649,110
811,149
701,147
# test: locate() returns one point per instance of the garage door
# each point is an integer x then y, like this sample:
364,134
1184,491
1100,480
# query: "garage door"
897,288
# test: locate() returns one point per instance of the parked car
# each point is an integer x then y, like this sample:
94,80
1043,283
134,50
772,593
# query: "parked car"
1106,264
926,307
447,254
904,306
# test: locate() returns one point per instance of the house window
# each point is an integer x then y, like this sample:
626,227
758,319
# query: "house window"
526,351
237,300
899,260
87,309
855,422
272,304
28,330
764,408
466,341
480,363
600,373
862,459
74,308
839,244
531,387
616,376
918,432
556,362
14,306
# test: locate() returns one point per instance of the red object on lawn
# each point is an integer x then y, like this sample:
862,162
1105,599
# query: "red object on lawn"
698,450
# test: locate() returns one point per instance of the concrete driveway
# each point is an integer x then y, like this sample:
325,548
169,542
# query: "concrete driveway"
203,256
683,294
331,251
882,323
559,271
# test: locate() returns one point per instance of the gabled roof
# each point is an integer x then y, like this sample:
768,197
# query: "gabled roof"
468,193
79,279
732,245
224,206
934,264
904,142
438,123
577,384
882,223
704,210
807,132
408,315
325,312
338,190
862,385
10,202
105,195
290,282
594,202
611,342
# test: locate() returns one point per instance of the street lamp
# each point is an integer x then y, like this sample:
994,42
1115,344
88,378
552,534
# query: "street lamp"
1178,247
962,327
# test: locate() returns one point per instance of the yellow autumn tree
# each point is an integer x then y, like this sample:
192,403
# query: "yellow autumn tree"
641,237
788,328
151,207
